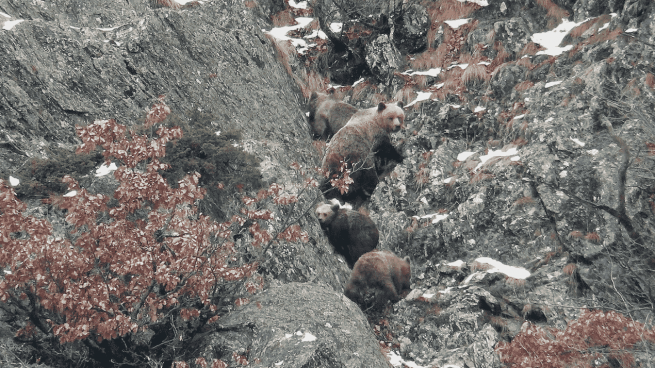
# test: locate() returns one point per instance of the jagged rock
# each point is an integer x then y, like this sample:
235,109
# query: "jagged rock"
410,36
448,331
514,34
584,9
296,325
382,58
502,83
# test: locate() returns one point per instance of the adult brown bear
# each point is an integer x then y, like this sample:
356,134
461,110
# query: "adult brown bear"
378,276
350,232
364,146
327,115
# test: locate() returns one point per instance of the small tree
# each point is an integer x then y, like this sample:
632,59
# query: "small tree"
137,279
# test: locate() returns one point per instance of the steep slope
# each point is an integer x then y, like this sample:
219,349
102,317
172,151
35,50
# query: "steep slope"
529,127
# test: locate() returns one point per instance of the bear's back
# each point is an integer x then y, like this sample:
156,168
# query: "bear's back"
353,233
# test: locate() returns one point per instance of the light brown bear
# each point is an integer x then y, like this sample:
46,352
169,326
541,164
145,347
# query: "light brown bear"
364,144
327,115
380,274
351,233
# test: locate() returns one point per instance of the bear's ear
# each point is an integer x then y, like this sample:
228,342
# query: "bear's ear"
401,104
406,259
335,207
314,95
381,106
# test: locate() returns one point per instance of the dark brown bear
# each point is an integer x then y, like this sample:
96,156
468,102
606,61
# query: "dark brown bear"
351,233
327,115
381,274
364,144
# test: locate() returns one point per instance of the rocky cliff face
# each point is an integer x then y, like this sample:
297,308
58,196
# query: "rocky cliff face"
69,63
538,159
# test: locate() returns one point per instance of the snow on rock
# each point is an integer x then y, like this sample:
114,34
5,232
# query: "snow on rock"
436,217
397,361
422,96
432,72
464,155
550,84
454,24
13,181
104,169
9,24
498,153
552,39
510,271
281,32
479,2
578,142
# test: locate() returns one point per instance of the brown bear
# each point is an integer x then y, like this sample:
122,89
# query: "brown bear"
351,233
365,146
380,274
327,115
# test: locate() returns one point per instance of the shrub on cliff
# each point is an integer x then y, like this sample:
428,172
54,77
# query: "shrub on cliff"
131,283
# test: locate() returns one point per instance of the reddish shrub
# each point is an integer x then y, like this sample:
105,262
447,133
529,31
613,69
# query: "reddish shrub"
593,335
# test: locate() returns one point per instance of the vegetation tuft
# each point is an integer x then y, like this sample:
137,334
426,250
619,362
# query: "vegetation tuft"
42,176
216,157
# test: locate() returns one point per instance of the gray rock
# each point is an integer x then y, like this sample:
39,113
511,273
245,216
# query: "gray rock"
382,58
296,325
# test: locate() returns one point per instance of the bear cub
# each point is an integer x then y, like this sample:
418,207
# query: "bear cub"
378,276
351,233
327,115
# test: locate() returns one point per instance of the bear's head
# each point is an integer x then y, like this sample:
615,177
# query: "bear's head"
391,116
326,212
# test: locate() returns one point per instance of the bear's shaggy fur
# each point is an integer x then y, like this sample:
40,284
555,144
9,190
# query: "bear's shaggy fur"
327,115
365,145
380,274
350,232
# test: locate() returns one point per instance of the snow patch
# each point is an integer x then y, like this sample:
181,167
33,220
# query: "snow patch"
593,152
550,84
454,24
8,25
497,153
631,30
436,217
479,2
458,263
511,271
432,72
308,337
298,5
551,39
578,142
422,96
397,361
13,181
464,155
281,32
104,169
72,193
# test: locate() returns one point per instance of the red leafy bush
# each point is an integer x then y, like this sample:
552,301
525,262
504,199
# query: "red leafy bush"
150,261
594,335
